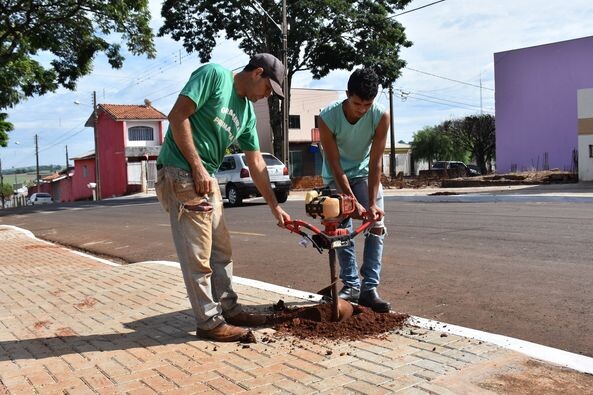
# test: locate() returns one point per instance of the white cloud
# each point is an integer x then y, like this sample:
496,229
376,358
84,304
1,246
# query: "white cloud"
454,39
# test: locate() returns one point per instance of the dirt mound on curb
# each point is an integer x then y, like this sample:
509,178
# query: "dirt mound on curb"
315,322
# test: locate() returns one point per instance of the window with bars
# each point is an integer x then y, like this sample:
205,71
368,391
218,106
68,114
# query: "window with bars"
140,133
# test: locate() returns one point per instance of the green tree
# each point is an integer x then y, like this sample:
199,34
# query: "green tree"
431,144
324,35
452,150
70,33
5,192
476,134
5,127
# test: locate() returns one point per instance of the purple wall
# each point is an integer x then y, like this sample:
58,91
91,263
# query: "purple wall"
536,103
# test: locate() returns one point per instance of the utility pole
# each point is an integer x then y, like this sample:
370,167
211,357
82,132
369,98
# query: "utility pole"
284,30
1,184
391,135
96,135
286,151
37,162
67,165
481,111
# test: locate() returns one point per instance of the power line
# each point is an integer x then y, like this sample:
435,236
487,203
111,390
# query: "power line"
465,106
63,140
449,79
406,92
416,9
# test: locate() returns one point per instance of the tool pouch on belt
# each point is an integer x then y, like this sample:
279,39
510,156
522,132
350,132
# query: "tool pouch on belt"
181,184
185,192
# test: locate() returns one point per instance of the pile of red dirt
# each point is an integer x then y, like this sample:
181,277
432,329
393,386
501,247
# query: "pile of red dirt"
306,183
315,322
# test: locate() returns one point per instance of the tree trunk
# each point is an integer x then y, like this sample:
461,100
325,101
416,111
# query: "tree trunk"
275,125
481,162
275,108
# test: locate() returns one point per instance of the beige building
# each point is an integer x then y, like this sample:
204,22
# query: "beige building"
305,157
585,113
305,105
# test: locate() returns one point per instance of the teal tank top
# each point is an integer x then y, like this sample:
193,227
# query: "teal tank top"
354,141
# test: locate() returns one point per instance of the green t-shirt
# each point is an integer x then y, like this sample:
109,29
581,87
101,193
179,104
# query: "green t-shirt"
221,117
353,141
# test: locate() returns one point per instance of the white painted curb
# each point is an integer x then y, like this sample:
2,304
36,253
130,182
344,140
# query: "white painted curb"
570,360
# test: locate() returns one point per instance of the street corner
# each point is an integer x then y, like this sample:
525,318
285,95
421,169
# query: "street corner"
515,373
9,232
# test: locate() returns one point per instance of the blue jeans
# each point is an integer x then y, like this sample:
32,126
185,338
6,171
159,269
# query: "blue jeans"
373,243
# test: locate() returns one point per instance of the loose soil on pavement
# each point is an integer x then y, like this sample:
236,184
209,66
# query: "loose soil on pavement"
441,179
316,322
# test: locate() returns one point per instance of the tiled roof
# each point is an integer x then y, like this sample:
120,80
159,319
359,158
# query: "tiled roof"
86,155
127,111
51,177
59,175
120,112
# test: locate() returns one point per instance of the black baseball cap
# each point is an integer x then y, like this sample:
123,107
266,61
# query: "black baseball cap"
273,68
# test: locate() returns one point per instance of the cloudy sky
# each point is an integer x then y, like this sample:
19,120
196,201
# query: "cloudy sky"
454,42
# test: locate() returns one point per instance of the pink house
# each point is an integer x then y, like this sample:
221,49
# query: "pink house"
129,139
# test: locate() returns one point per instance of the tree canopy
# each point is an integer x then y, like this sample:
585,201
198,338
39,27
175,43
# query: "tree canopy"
5,127
476,134
45,44
324,35
5,192
430,144
463,139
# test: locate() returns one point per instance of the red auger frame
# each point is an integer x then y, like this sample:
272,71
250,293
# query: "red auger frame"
335,210
331,237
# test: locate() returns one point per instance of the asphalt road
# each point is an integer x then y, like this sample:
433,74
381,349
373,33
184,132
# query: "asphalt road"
518,269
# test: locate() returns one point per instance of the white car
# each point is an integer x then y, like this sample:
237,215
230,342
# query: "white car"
40,198
236,184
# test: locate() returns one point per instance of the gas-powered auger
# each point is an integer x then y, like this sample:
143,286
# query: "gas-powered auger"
334,209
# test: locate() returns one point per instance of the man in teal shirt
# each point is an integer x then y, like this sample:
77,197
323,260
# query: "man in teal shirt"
214,110
353,133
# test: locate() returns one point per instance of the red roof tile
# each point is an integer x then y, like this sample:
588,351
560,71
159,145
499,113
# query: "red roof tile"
120,112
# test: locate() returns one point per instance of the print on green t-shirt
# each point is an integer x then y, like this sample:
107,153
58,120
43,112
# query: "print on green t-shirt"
353,140
221,117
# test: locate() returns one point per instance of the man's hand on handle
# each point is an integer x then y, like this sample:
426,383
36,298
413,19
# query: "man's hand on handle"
375,213
281,216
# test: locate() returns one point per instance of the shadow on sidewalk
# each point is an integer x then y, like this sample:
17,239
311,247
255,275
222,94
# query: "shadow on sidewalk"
160,330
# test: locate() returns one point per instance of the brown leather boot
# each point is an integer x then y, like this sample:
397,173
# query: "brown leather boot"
248,319
223,333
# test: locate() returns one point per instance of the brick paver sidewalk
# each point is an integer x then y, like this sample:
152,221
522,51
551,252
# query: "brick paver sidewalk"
70,324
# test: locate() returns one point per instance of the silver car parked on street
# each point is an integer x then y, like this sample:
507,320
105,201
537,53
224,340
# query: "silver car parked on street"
236,184
40,198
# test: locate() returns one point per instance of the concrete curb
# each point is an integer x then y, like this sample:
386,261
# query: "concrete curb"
556,356
492,199
570,360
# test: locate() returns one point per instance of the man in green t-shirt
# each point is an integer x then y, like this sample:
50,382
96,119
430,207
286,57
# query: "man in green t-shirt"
214,110
353,133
